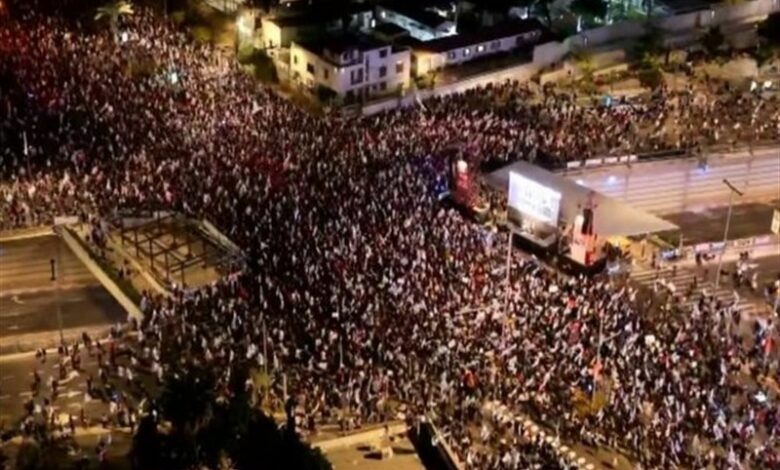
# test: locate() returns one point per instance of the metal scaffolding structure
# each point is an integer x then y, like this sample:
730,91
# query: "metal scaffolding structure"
171,246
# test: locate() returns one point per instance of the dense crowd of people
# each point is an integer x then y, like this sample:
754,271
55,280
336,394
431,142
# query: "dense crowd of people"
360,288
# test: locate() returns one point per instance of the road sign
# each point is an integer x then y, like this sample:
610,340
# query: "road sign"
776,222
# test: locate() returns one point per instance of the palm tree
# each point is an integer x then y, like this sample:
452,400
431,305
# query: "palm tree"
713,40
543,7
590,9
113,11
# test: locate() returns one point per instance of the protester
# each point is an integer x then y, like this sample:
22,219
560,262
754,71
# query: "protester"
361,290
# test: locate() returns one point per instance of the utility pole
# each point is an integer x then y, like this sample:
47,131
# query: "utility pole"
508,281
597,366
732,191
56,270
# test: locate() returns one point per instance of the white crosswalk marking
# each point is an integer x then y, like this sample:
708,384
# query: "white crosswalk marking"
683,279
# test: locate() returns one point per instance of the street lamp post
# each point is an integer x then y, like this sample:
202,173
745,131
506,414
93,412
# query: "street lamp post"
56,271
732,191
508,282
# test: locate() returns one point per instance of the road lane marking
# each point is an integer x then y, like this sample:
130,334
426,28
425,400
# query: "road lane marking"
16,300
5,397
7,377
71,394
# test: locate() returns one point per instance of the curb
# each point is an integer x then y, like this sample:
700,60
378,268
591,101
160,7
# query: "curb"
360,438
23,234
26,344
132,309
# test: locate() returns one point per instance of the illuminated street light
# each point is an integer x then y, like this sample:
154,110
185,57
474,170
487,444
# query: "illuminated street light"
732,191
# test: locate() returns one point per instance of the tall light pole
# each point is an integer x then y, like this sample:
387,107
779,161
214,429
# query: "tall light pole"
508,280
56,271
732,191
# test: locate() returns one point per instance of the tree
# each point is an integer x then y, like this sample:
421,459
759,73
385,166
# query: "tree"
584,62
649,5
43,451
113,11
145,453
769,31
590,9
651,78
218,430
652,43
768,43
712,41
543,6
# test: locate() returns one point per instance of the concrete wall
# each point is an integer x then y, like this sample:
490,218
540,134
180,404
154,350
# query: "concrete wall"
474,51
520,73
664,187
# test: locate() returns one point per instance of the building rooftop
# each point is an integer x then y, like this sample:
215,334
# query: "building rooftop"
316,14
424,17
685,6
501,6
483,35
337,45
390,29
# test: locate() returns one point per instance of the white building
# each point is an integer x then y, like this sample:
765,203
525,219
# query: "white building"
280,30
423,25
453,50
354,67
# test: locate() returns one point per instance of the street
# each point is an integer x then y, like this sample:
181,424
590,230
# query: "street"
707,225
29,298
16,377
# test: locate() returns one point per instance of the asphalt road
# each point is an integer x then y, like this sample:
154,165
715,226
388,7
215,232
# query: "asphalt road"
16,377
29,298
747,220
767,267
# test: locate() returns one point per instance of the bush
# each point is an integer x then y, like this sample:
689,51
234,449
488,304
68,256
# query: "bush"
264,68
325,94
651,78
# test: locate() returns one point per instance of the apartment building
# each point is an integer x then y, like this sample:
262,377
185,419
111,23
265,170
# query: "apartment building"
355,67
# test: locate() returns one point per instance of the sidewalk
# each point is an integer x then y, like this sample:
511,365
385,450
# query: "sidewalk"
732,253
24,233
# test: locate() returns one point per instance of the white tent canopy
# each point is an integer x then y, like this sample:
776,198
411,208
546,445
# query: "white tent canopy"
612,218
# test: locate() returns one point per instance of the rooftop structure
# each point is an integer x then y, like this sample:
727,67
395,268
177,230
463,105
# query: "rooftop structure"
422,24
506,37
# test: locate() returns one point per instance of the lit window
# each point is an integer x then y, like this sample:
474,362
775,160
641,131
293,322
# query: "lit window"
480,48
466,51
